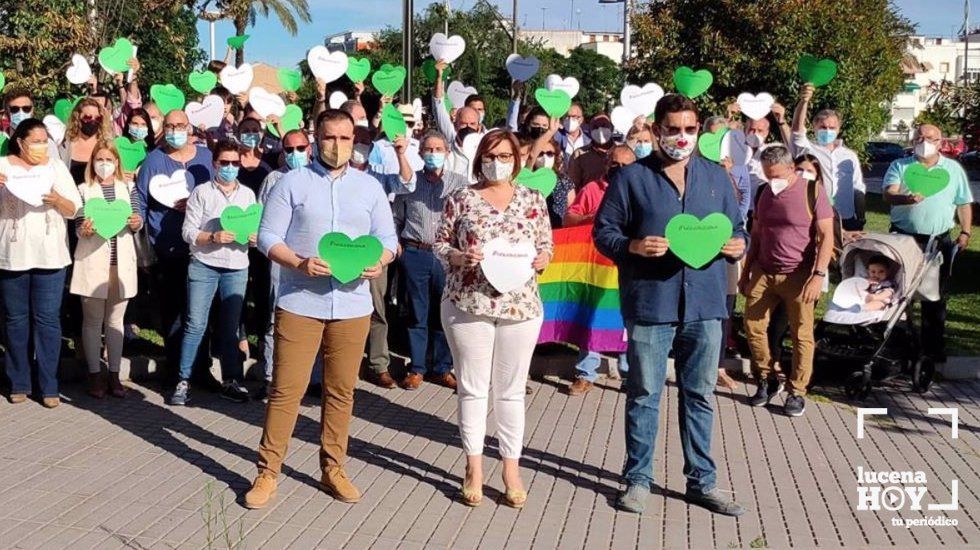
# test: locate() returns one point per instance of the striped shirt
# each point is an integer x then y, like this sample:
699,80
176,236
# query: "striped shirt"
417,214
109,194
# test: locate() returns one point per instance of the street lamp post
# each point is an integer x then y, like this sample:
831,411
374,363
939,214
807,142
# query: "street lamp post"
408,12
627,13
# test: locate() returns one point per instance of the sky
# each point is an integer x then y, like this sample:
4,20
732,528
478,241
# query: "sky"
271,44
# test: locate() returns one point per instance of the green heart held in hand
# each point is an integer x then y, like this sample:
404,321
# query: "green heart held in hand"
290,79
817,72
358,69
131,153
108,218
710,144
167,97
691,83
393,122
543,180
388,79
697,242
554,102
292,120
202,82
117,56
243,223
430,72
349,258
923,181
236,42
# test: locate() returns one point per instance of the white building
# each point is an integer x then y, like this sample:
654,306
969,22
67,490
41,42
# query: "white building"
351,41
609,44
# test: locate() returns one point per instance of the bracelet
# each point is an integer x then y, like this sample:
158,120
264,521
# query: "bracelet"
819,273
967,233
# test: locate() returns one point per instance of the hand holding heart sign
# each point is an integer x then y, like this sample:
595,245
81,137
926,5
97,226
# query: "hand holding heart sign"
818,72
709,144
393,122
924,181
108,218
697,242
543,180
243,223
508,266
348,258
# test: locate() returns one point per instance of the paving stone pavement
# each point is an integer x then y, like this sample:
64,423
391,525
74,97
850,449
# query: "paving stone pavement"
138,474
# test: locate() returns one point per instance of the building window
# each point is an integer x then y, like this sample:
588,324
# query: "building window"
944,67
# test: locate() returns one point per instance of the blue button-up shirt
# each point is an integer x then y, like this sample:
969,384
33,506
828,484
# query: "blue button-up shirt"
639,202
308,203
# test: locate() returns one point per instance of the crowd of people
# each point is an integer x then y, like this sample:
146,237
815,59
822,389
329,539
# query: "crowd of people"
794,195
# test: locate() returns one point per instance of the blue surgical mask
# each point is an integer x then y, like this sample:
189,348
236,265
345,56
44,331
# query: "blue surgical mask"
176,138
434,161
643,150
138,132
251,140
826,137
17,118
296,159
227,174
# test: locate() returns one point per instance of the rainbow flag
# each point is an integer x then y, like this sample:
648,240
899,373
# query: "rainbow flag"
580,291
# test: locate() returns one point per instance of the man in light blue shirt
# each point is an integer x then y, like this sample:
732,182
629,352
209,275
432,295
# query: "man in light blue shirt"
316,313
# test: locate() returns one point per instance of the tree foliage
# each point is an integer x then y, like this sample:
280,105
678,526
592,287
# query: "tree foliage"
954,108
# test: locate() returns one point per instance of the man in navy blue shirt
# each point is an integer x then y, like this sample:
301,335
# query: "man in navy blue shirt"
666,304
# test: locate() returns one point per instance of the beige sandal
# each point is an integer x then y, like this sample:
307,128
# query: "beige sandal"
515,498
472,497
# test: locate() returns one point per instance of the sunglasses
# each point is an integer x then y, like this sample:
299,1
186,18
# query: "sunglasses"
229,163
298,148
548,154
18,108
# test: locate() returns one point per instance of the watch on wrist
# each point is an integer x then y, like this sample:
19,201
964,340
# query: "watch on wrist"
211,238
819,273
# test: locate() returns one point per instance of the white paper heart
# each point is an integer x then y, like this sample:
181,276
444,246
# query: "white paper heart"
522,68
641,101
755,107
337,99
167,190
326,65
237,79
458,92
446,48
266,103
79,71
470,144
506,265
555,82
56,128
622,119
417,111
207,113
30,185
851,293
734,147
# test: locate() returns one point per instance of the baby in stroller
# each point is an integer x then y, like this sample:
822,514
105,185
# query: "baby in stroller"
881,287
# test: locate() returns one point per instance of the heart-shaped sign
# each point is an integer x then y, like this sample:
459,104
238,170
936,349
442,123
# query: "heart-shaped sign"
207,113
236,42
168,190
388,79
470,144
202,82
417,112
543,180
691,83
569,85
243,223
116,57
3,80
923,181
622,119
446,48
237,79
326,65
709,144
30,185
108,218
458,92
522,68
290,79
4,145
337,99
554,102
641,101
167,97
430,72
63,108
818,72
79,71
850,293
508,266
131,153
292,119
734,146
266,103
393,122
358,69
56,128
756,107
347,257
697,242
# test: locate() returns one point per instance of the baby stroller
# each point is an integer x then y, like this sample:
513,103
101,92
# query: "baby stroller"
870,347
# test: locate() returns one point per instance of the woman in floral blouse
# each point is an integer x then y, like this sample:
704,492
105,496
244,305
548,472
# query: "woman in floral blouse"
492,334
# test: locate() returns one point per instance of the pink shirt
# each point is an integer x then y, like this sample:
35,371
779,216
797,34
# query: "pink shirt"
587,200
784,232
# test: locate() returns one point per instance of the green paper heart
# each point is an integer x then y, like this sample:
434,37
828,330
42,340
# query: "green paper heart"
710,144
291,120
817,72
167,97
925,182
358,69
690,83
202,82
108,218
448,104
429,71
131,153
697,242
543,180
117,56
393,122
63,108
4,144
388,79
243,223
554,102
237,42
349,258
290,79
3,80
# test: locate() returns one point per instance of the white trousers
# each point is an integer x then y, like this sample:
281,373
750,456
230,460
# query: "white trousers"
490,352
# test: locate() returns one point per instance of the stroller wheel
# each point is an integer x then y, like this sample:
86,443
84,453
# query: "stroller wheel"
857,386
922,374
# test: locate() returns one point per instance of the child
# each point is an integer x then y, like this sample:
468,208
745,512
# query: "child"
880,289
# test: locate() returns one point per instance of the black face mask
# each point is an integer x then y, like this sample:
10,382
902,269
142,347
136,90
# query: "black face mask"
534,132
462,133
89,128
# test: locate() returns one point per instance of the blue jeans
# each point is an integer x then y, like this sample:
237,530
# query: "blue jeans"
33,297
425,281
587,365
203,281
696,346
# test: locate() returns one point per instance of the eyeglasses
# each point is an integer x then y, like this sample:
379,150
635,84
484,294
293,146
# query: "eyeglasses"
674,130
236,163
178,127
298,148
502,157
87,118
20,108
549,154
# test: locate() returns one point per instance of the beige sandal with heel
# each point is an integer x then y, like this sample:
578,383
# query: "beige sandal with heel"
515,498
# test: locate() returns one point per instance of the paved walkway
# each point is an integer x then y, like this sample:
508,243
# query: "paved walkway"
138,474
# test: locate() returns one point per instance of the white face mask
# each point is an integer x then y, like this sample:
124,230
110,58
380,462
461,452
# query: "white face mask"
680,146
156,124
601,135
925,150
361,153
778,185
362,123
497,171
545,162
753,140
807,175
572,124
105,168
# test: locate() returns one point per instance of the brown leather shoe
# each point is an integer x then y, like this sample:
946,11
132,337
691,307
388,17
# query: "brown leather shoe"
383,380
17,398
446,380
96,385
580,386
412,381
116,389
338,485
51,402
263,490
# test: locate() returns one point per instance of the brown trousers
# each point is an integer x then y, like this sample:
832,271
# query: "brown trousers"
298,339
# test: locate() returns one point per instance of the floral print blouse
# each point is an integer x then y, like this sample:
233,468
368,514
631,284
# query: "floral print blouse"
470,220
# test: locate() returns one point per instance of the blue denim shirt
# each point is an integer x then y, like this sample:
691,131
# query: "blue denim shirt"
308,203
639,202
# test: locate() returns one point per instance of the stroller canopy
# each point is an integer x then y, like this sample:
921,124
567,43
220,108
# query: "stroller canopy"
900,249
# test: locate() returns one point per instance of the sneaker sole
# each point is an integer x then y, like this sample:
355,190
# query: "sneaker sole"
794,415
235,399
263,505
336,496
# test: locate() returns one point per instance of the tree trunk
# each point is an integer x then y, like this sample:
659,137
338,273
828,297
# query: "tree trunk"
240,23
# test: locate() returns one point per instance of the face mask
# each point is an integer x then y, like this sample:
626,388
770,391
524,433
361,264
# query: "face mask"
89,128
176,139
295,160
105,168
925,150
37,153
601,136
251,139
778,185
643,149
826,137
534,132
571,124
807,175
227,174
361,153
753,140
434,161
336,154
545,162
482,116
494,170
156,124
17,118
362,123
138,132
678,147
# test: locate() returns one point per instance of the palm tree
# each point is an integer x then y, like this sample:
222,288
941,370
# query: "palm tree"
244,13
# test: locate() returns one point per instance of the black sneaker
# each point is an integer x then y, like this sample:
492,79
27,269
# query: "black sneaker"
233,391
262,394
794,406
712,502
766,393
